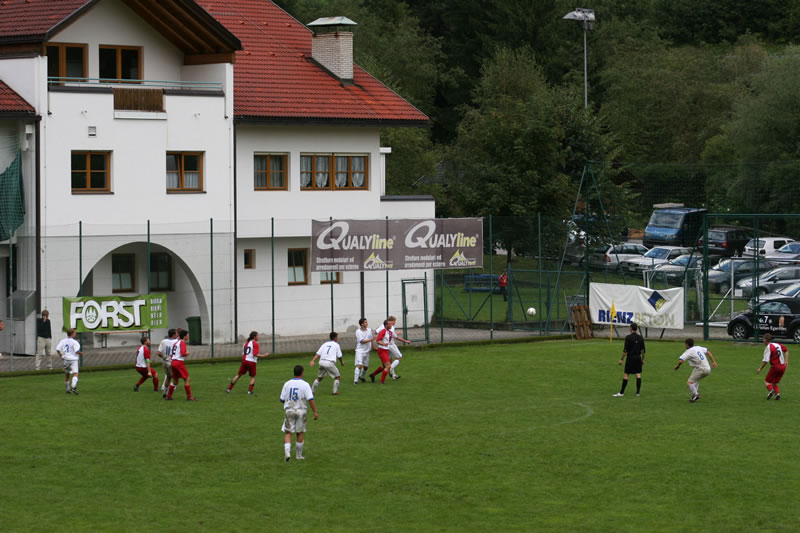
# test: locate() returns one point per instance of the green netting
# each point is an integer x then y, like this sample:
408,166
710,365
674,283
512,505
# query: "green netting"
12,198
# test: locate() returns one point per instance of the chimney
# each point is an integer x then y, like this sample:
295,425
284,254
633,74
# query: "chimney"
332,45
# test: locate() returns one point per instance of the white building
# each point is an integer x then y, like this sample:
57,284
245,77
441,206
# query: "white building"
133,118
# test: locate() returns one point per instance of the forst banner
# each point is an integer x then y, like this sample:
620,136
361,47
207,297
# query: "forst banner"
401,244
649,308
98,314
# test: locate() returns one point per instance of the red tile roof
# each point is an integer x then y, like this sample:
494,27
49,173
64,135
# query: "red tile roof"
274,78
34,18
11,102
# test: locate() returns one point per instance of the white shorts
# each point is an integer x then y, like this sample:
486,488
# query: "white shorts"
362,359
294,421
698,374
71,367
327,368
395,351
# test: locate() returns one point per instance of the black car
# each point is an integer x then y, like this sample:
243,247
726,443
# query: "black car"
781,317
726,241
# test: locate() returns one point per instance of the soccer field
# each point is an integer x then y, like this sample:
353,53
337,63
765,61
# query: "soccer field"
522,437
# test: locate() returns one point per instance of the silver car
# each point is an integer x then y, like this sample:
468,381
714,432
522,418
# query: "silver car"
770,281
786,254
790,291
655,256
610,256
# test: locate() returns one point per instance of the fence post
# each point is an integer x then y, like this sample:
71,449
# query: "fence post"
705,276
387,271
149,265
491,281
330,281
211,238
441,305
80,275
272,284
539,227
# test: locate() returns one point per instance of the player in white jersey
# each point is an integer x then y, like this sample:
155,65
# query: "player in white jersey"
697,357
296,392
70,352
164,348
328,354
250,356
143,365
364,340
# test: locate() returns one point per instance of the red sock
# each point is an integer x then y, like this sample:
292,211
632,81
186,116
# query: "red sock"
230,386
250,388
142,380
769,387
155,381
171,390
376,372
777,391
383,375
188,391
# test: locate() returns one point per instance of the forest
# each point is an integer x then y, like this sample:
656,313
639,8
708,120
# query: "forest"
689,101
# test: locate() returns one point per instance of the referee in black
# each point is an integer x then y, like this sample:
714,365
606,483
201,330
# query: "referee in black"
634,351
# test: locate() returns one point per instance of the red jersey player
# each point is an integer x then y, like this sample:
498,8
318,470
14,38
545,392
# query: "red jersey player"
143,365
178,352
777,355
383,339
250,357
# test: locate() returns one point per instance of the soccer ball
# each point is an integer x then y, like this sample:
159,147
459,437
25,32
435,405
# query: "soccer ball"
531,311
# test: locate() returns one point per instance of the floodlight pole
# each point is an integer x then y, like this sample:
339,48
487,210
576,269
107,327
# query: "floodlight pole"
586,16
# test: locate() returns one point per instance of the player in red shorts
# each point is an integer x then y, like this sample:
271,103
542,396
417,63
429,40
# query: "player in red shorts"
383,339
777,355
250,357
143,365
179,352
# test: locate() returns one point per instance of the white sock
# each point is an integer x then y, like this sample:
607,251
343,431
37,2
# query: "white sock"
394,365
335,386
66,385
299,449
363,372
314,386
287,449
74,381
356,375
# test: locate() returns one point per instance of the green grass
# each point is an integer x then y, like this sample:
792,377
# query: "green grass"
510,437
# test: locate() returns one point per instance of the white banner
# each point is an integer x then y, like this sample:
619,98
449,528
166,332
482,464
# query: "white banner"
649,308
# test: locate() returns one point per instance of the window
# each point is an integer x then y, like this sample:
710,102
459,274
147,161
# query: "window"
160,271
184,172
270,172
330,277
298,274
66,60
120,62
333,171
123,273
249,258
90,172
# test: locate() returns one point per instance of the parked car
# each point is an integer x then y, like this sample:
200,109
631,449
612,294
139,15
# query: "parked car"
780,317
675,269
609,256
775,279
655,256
674,226
765,245
726,240
719,277
790,291
788,253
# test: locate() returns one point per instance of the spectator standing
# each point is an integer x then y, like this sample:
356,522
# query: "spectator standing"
44,341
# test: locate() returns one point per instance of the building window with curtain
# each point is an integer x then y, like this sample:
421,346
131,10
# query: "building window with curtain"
333,172
123,273
184,172
269,172
160,271
298,266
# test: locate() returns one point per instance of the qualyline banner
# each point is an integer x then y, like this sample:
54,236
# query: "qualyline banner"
662,308
100,314
401,244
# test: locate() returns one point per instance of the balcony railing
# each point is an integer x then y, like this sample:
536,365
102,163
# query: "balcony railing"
159,84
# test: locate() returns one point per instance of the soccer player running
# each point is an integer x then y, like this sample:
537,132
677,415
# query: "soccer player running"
697,357
364,339
178,352
164,350
383,339
143,365
634,352
70,351
777,355
295,395
328,354
394,351
250,357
